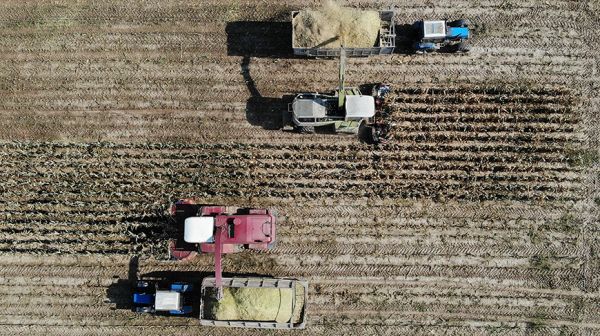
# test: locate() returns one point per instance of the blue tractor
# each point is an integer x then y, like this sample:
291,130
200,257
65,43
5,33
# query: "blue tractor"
445,36
172,299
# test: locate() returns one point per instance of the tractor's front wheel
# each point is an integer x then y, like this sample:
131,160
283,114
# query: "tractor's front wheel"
459,23
142,284
143,309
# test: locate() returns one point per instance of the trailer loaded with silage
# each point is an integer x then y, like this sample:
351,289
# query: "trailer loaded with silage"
323,32
272,303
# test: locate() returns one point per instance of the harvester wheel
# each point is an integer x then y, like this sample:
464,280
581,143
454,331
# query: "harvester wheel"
274,213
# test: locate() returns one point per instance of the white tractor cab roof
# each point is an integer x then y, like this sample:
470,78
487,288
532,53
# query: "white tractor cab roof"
434,29
167,300
310,108
199,229
360,106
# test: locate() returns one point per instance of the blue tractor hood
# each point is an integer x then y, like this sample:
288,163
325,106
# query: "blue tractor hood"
458,33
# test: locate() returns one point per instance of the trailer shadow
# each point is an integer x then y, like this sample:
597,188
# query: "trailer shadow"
259,39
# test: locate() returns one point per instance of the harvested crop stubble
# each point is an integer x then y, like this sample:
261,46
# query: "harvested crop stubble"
333,26
252,304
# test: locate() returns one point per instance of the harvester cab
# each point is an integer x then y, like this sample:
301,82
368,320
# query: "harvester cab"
442,35
220,230
344,110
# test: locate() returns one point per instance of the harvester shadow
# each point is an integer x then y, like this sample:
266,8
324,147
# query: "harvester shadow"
266,112
265,39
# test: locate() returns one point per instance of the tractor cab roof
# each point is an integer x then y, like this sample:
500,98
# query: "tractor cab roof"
434,29
167,300
360,106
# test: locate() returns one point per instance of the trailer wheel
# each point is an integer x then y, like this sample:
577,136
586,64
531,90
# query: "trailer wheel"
305,129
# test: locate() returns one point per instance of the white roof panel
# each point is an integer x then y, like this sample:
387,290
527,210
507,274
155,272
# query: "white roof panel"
167,300
309,108
199,229
360,106
434,29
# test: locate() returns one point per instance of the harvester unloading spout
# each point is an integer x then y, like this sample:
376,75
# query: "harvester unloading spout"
341,75
218,268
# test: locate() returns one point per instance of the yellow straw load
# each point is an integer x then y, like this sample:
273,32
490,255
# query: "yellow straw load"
254,304
333,26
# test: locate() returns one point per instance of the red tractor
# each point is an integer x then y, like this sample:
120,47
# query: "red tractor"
218,230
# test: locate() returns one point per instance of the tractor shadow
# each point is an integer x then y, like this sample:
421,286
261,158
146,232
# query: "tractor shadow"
405,38
119,293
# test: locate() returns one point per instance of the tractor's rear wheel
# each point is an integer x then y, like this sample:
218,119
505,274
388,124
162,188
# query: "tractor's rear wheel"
463,47
143,309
